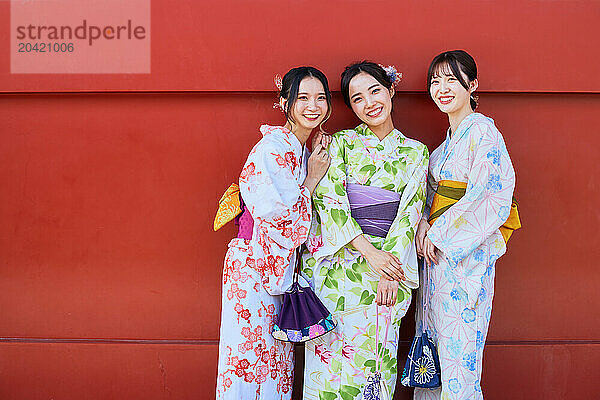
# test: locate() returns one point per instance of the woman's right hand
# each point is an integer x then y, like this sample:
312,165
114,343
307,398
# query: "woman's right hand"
386,264
420,237
430,251
318,162
387,292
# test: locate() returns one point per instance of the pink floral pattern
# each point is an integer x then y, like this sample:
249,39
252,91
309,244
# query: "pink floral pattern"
315,330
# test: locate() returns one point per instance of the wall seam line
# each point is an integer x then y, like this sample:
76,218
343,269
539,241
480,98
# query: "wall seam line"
541,342
250,92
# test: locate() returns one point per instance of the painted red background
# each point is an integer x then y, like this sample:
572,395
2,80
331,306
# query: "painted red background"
110,271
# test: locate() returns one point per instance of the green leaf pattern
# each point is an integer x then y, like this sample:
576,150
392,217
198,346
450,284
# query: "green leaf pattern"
338,363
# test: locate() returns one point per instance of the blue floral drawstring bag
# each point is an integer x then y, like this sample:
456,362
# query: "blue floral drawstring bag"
422,368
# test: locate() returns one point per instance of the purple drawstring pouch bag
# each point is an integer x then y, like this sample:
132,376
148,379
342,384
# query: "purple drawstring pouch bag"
302,315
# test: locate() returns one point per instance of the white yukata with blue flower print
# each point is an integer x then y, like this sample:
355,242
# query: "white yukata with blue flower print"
469,243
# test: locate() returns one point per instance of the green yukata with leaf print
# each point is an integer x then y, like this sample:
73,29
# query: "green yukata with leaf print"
337,364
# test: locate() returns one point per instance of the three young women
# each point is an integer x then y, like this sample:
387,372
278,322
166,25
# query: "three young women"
469,196
361,252
276,184
361,245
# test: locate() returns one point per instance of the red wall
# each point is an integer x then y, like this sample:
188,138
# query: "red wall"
110,278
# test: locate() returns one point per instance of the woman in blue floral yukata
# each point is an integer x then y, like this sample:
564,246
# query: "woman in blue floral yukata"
364,268
461,235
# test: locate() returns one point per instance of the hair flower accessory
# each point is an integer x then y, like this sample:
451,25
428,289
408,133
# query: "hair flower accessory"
392,73
278,82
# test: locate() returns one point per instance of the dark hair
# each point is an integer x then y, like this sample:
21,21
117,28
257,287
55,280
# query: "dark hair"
457,61
290,85
368,67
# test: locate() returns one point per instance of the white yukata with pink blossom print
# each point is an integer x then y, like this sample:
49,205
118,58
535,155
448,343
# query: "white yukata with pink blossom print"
253,365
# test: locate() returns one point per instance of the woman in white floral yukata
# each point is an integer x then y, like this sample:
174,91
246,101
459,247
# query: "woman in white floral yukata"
363,268
276,184
461,235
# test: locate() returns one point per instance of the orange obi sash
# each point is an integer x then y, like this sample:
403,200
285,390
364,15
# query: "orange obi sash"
449,192
229,206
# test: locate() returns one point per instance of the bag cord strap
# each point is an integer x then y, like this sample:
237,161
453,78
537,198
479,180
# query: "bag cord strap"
387,327
298,260
425,298
300,248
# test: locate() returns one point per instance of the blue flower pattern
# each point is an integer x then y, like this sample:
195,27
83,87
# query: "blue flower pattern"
455,347
482,294
480,340
503,213
454,294
456,256
469,361
446,174
494,185
479,255
468,315
294,336
494,154
454,385
459,294
468,264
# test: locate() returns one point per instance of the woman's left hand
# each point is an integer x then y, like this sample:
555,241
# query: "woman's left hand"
387,292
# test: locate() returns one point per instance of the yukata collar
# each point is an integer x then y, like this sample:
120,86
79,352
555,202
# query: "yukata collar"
461,130
282,130
366,131
467,121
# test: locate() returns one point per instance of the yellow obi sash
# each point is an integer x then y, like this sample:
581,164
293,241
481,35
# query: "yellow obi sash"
229,206
449,192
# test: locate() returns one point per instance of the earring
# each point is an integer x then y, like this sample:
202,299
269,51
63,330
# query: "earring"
475,98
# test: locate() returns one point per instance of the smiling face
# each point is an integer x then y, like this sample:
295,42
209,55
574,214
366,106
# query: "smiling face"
370,100
310,108
448,93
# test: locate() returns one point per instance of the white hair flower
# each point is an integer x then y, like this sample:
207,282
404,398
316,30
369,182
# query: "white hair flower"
393,74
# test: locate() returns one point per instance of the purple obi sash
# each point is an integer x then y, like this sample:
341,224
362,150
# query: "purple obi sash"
373,208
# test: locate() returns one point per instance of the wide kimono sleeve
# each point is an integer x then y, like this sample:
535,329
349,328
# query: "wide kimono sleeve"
331,203
401,236
487,200
280,208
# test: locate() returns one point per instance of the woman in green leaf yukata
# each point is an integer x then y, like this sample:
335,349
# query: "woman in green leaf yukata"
361,243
